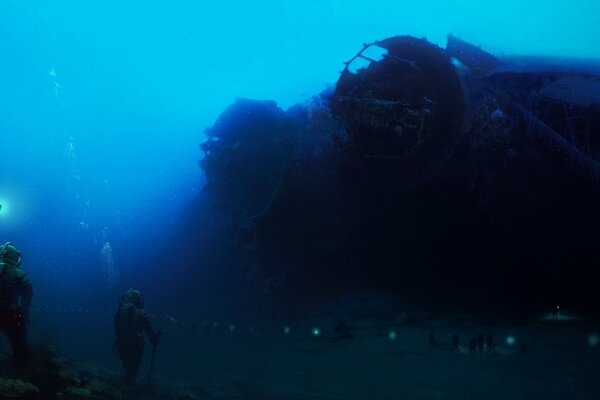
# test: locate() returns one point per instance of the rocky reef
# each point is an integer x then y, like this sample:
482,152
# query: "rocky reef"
51,377
448,175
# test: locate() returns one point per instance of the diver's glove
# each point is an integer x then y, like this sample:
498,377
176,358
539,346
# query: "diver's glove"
21,316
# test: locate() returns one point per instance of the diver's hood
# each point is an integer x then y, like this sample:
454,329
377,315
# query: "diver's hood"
134,297
9,254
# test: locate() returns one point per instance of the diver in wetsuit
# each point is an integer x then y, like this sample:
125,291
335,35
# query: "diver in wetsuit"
15,300
131,322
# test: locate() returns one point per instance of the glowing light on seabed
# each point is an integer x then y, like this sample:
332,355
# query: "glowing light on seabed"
593,340
511,341
392,335
316,332
286,330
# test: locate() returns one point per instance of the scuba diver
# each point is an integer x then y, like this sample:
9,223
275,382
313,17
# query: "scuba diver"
15,300
455,342
131,322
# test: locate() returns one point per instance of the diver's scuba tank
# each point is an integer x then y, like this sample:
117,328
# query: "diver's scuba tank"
8,255
2,266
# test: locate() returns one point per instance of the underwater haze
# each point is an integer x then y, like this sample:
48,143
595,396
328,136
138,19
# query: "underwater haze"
103,108
104,102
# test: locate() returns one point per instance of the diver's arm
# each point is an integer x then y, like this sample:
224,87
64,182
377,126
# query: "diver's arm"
147,326
25,291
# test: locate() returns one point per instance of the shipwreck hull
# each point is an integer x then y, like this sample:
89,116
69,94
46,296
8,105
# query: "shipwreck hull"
405,111
417,176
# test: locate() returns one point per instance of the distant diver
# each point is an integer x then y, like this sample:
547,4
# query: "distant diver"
490,345
555,312
57,86
15,301
455,342
131,322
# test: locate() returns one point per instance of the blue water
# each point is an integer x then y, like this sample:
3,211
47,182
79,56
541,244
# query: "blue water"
103,105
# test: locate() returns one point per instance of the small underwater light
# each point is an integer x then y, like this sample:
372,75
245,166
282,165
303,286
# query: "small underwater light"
316,332
511,341
392,335
286,330
593,340
4,208
231,328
